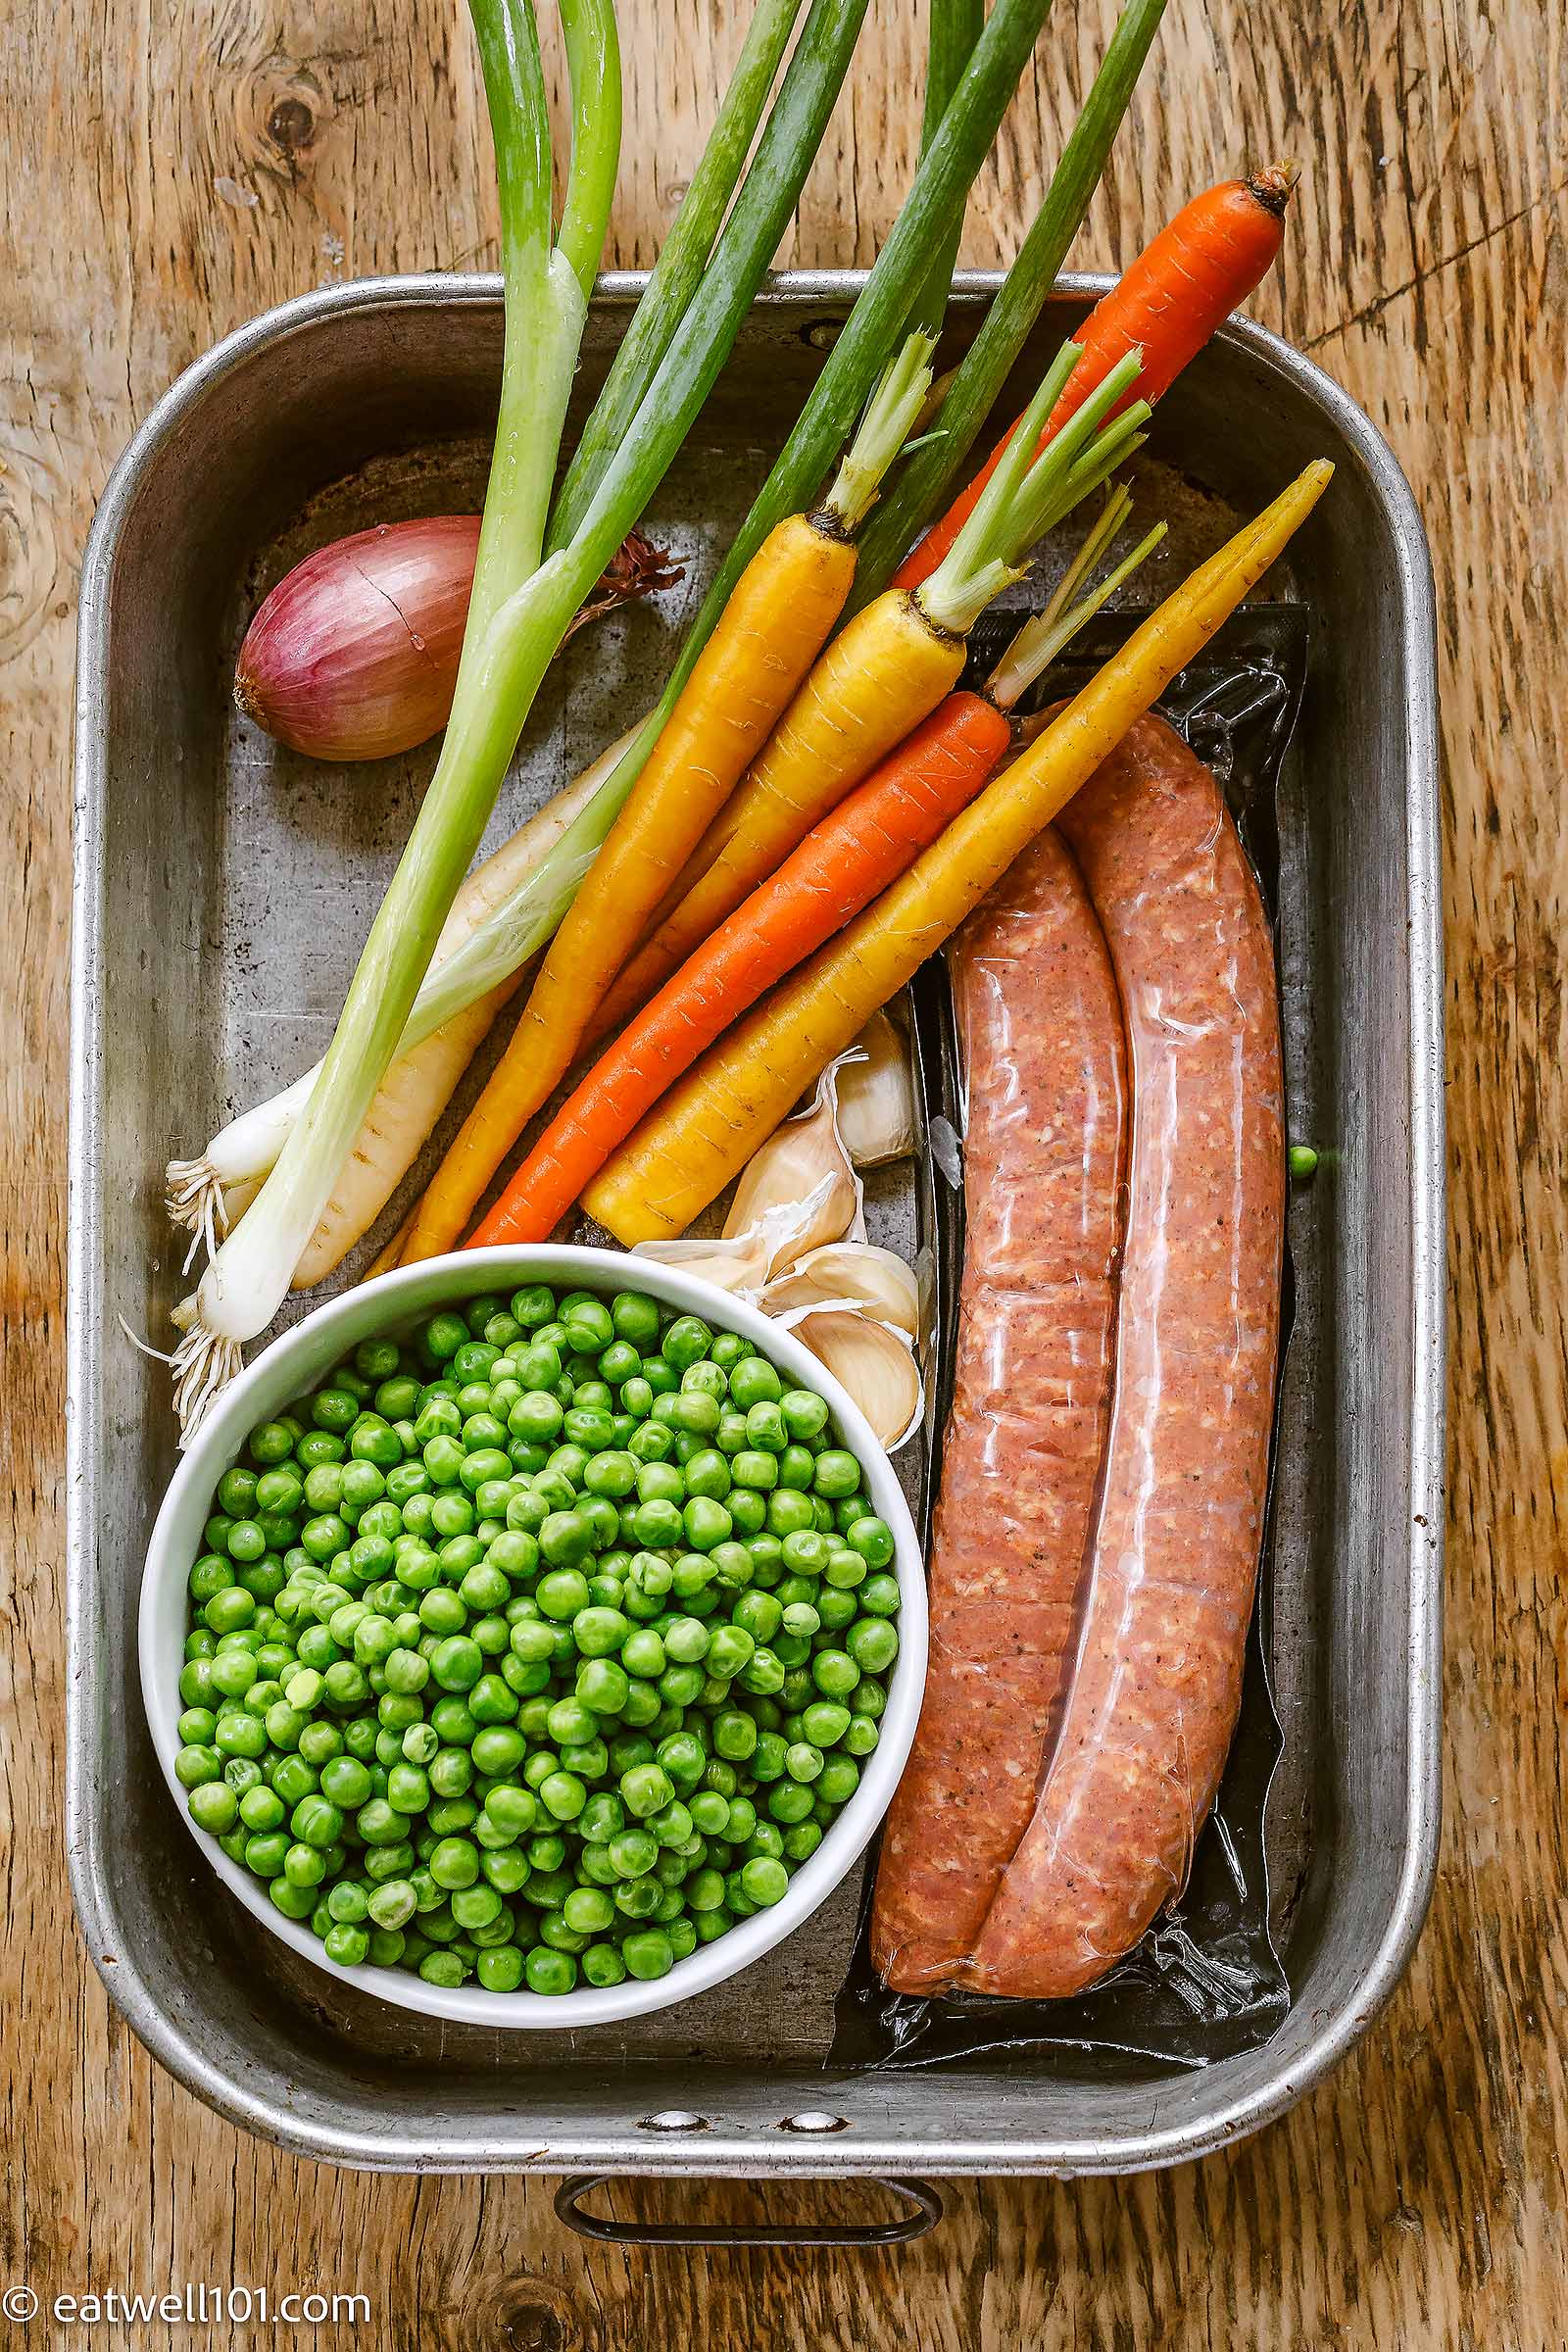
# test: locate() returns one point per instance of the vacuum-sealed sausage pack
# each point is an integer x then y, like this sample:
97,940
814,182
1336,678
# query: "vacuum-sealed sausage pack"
1079,1851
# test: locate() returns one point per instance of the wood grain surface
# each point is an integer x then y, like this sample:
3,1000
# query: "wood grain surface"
168,171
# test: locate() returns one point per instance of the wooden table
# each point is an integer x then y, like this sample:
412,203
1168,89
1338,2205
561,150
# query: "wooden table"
168,172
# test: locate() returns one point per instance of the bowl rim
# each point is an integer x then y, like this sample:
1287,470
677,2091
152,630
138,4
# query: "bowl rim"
216,1444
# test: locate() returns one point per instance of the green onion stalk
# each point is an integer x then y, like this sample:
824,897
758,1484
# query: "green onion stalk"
521,608
682,258
955,27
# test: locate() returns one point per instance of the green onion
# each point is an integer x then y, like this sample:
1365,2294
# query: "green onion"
926,481
521,607
545,309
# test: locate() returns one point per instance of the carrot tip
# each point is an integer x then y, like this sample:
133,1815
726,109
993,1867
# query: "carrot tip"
1274,185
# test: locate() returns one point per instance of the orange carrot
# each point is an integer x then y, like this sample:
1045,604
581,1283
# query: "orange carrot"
1203,264
841,865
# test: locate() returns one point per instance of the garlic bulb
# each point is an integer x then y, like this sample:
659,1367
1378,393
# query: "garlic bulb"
847,1274
801,1188
876,1364
794,1243
876,1096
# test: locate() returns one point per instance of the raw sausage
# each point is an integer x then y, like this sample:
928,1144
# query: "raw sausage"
1156,1681
1045,1154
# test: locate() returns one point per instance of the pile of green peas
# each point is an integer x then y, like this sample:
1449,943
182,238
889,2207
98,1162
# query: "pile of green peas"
541,1646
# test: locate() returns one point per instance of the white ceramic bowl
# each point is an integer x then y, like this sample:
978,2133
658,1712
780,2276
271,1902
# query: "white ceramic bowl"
296,1363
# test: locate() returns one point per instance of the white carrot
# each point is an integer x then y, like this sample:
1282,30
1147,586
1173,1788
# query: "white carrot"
484,942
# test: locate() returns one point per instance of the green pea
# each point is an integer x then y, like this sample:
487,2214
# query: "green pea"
695,1412
879,1596
453,1863
686,1342
789,1512
498,1751
730,1651
514,1810
686,1641
642,1654
658,1525
707,1523
797,1465
837,1609
648,1953
603,1817
316,1822
764,1881
873,1645
213,1805
603,1965
765,1427
549,1973
790,1801
211,1575
236,1492
759,1614
562,1593
293,1900
735,1735
650,1442
456,1663
754,1381
837,1473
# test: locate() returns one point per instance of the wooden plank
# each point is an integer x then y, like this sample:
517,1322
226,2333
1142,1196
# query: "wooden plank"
172,170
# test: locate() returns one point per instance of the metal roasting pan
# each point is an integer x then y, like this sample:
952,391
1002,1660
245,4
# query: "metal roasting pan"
222,890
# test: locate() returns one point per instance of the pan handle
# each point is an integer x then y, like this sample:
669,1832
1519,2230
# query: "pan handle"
922,2199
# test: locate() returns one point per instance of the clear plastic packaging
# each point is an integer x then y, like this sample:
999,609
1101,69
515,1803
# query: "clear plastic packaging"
1033,1394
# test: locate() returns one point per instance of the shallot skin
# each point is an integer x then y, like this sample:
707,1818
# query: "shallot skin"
354,655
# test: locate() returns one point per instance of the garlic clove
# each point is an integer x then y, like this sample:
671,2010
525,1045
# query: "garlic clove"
876,1096
799,1190
739,1265
876,1364
851,1274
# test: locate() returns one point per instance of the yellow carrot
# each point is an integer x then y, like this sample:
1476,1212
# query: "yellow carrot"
878,679
708,1126
771,631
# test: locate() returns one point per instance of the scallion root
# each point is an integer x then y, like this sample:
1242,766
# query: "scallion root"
203,1366
193,1195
